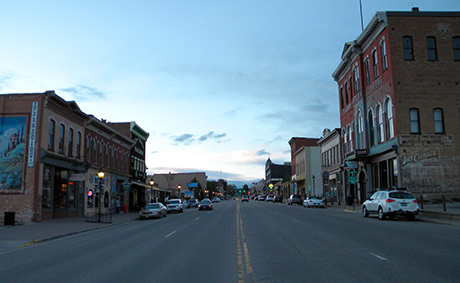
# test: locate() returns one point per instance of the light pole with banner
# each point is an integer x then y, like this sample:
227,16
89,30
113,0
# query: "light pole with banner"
100,174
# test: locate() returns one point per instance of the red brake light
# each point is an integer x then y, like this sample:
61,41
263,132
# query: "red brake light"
390,200
414,201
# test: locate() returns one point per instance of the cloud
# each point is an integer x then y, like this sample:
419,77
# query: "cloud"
185,139
262,152
84,93
211,135
4,78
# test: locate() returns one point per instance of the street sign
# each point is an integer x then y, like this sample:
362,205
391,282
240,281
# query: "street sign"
352,179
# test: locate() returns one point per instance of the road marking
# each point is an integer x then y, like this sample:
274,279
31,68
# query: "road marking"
297,221
197,219
348,210
379,257
170,234
242,242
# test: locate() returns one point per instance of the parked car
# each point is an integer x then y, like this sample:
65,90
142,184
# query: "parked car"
192,203
261,198
205,204
244,198
152,210
216,199
269,198
174,205
313,201
277,199
295,199
391,203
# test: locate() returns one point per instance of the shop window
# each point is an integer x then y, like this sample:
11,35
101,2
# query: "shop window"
47,188
438,121
414,121
106,199
431,48
408,49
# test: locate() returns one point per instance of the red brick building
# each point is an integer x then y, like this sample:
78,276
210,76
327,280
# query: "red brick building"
399,101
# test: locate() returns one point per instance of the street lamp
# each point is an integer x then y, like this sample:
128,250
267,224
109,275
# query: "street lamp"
151,184
100,174
313,178
178,191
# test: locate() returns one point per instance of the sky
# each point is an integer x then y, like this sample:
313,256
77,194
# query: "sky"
220,86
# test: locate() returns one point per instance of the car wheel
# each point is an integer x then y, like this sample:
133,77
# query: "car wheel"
411,217
382,215
180,211
365,212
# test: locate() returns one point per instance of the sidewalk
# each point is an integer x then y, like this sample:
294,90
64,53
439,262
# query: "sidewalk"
52,229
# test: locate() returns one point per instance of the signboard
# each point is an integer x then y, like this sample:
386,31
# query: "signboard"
352,178
77,177
352,164
188,194
32,135
193,185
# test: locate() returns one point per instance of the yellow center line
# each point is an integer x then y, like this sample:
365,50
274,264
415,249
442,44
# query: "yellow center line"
241,239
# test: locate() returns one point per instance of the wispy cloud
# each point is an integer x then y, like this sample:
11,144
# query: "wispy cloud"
84,93
262,152
185,139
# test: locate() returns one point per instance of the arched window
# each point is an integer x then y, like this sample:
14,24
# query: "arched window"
383,53
438,121
366,66
356,78
350,138
379,124
375,62
345,140
414,121
389,119
370,121
359,122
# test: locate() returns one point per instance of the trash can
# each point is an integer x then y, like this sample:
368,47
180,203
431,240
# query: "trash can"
9,218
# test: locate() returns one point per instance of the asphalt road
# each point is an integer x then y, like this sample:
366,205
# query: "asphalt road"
246,242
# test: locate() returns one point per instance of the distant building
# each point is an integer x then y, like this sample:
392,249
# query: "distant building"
275,173
305,173
178,183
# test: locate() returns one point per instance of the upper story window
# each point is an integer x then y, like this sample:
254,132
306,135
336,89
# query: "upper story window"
70,143
78,145
375,63
408,49
88,149
389,119
360,129
438,121
341,97
366,66
95,151
370,120
61,138
383,53
101,156
456,46
346,92
350,138
356,78
380,132
107,155
414,121
431,48
51,135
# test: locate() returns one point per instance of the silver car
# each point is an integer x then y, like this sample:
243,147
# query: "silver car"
391,203
174,205
152,210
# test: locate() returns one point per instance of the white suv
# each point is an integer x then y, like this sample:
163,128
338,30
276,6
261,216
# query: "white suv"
174,205
391,204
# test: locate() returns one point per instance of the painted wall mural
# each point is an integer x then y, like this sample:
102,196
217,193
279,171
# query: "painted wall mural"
12,137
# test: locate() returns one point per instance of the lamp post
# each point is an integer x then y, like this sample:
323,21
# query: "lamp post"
178,191
100,174
313,178
151,184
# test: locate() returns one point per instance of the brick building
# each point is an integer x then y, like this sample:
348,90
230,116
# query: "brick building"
399,104
306,166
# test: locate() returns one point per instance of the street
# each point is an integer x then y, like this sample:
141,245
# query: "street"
245,242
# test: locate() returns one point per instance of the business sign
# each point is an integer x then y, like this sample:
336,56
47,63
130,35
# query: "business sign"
188,194
193,185
32,134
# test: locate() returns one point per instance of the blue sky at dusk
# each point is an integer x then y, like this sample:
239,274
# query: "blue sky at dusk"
219,85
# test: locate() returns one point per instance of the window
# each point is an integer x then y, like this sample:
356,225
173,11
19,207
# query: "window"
371,128
345,140
366,65
61,138
456,45
356,78
383,53
379,124
414,121
350,138
438,121
346,92
101,156
408,49
341,98
88,149
389,119
360,130
78,144
70,143
375,63
51,135
95,151
431,47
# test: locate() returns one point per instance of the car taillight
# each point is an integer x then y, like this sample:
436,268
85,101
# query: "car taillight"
390,200
414,201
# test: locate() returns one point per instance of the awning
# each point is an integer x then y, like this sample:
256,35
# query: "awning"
145,185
